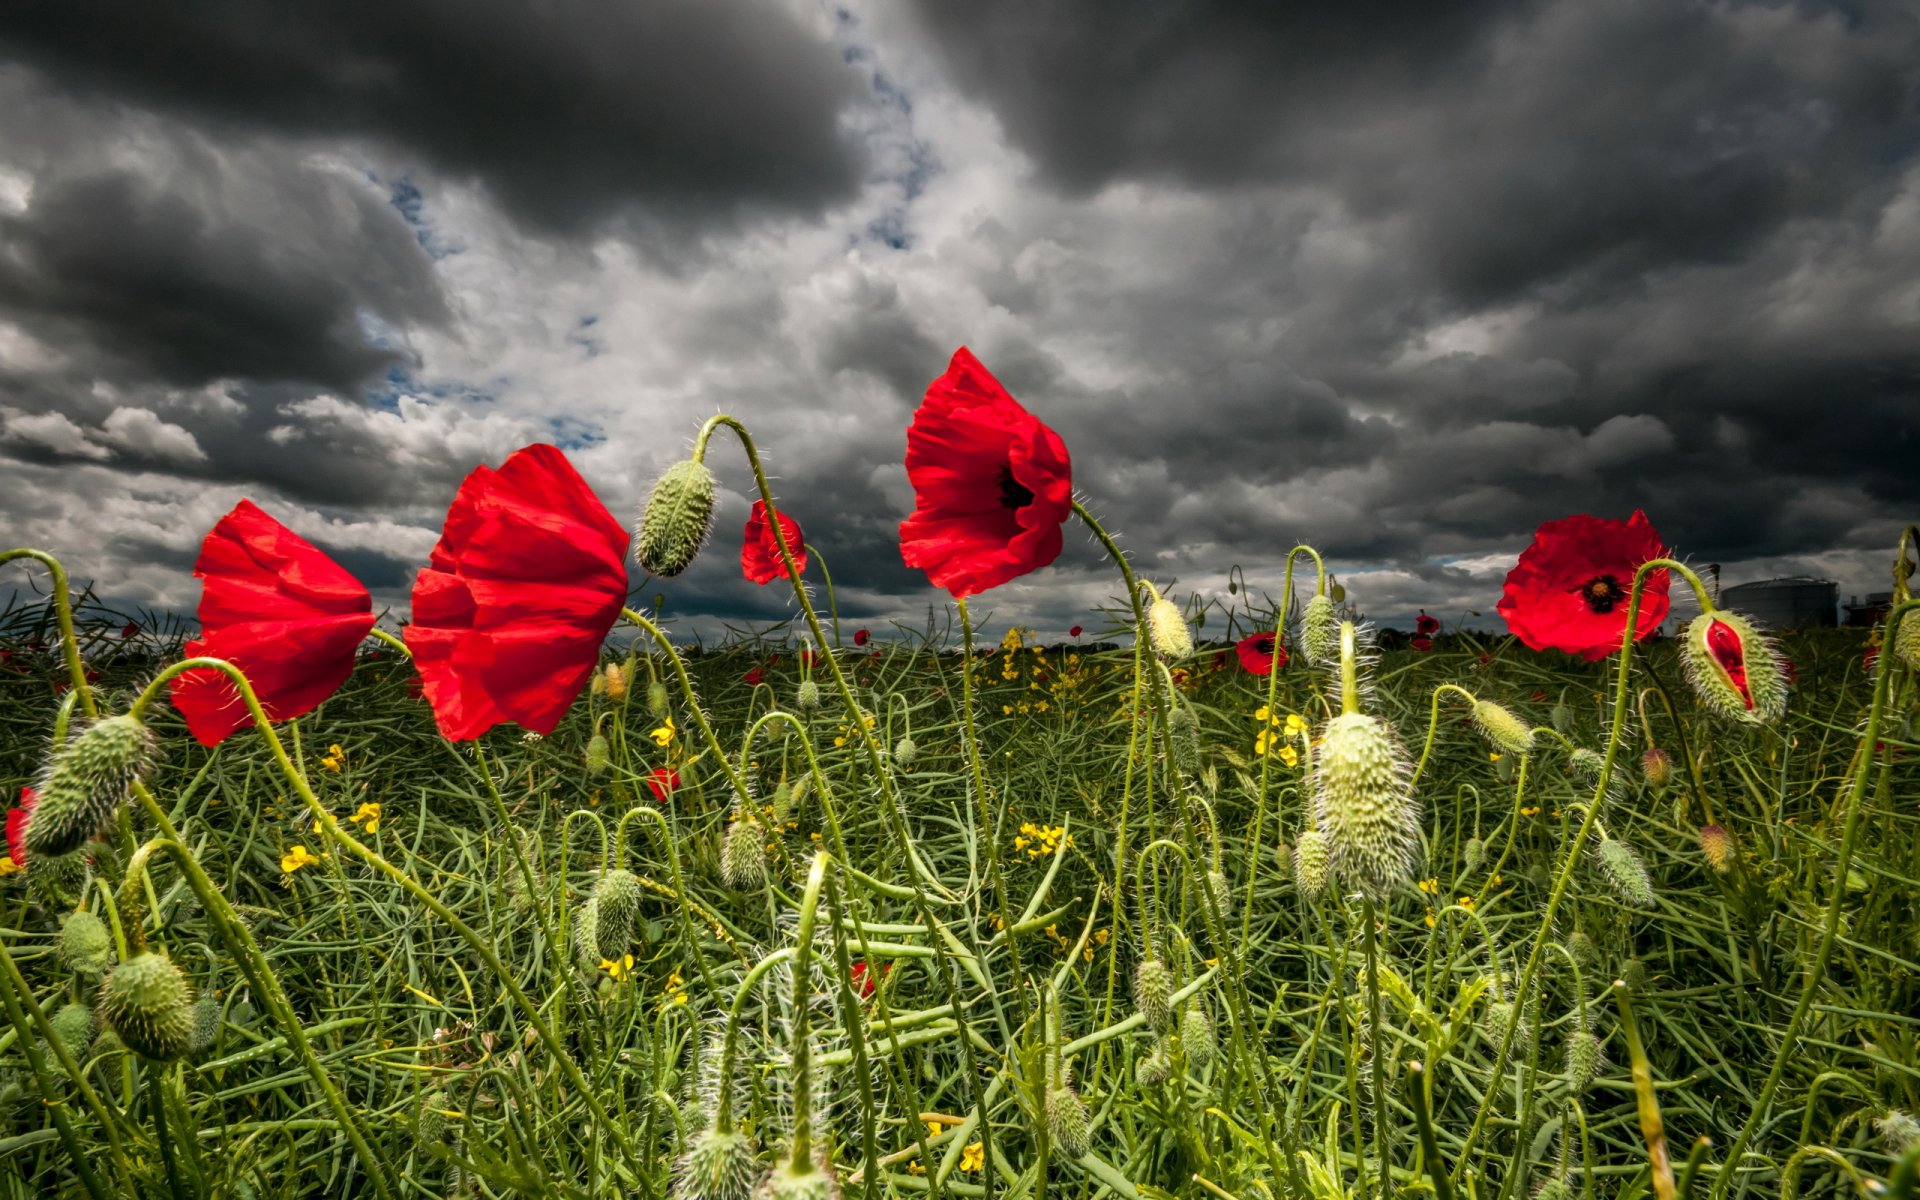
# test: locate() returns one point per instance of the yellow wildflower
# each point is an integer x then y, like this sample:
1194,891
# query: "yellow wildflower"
619,968
1430,886
299,856
675,992
664,733
1531,811
335,760
1466,902
973,1157
368,816
1430,921
8,866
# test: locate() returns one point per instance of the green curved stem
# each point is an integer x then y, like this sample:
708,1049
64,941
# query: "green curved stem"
391,640
730,1038
63,612
1349,670
826,576
989,832
1433,724
801,1160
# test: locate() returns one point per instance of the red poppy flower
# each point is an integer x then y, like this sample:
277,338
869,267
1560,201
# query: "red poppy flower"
528,577
875,656
1792,670
1569,591
663,782
864,980
991,484
1074,632
1425,624
753,677
1258,652
274,605
760,553
130,629
1421,642
809,657
861,637
17,819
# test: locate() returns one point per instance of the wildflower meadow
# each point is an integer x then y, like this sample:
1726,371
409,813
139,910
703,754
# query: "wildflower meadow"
1225,899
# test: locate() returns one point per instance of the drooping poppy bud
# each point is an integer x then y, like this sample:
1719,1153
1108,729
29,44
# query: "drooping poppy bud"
677,519
1501,727
86,783
1320,633
149,1003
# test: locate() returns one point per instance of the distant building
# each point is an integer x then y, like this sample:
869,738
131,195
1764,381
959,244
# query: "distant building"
1870,613
1797,602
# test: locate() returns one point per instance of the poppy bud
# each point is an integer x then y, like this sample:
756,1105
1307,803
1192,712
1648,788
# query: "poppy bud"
1319,633
1222,892
1717,844
808,698
1633,973
73,1027
1311,863
1156,1068
1153,994
1067,1121
1183,730
86,783
617,898
743,855
597,754
85,947
586,934
1657,765
657,699
430,1126
205,1016
1586,763
1554,1188
905,752
148,1002
57,880
1501,727
1734,669
719,1165
1167,630
1196,1036
1586,1057
1493,1027
614,681
1626,874
677,519
1906,640
1362,803
1561,716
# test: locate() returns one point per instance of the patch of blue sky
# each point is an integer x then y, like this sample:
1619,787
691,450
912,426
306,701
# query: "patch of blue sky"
580,335
408,201
573,433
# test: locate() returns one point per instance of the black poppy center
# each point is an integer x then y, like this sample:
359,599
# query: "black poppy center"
1264,646
1602,593
1013,494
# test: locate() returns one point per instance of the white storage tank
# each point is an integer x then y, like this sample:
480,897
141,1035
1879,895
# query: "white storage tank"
1799,602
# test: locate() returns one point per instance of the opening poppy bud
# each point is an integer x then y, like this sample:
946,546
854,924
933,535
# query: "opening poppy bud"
86,783
1156,1068
617,898
598,754
808,698
1734,669
743,855
1626,874
1501,727
1717,844
1320,632
149,1003
677,519
1167,630
1586,1056
73,1027
1657,765
614,681
719,1165
1312,861
1196,1036
1362,803
1067,1121
1153,994
85,947
905,752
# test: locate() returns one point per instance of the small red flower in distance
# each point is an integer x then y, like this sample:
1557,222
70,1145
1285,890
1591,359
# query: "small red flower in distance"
130,629
1260,654
861,637
753,677
760,554
663,782
863,979
1422,643
1570,589
1426,624
1074,632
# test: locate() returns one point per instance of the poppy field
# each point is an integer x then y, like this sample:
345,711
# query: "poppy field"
1229,897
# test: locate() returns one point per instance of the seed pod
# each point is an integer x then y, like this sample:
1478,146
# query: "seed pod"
1153,994
1156,1068
1501,727
617,897
1362,803
1167,630
430,1126
85,946
1626,874
598,754
73,1027
717,1166
1734,669
743,854
1717,844
86,784
205,1015
1656,765
1196,1036
1311,864
808,698
677,519
905,752
148,1002
1319,633
1586,1057
1067,1121
657,700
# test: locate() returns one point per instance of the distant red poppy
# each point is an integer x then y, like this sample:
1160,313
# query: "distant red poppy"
991,484
1792,669
17,819
861,637
1074,632
1421,642
1870,658
863,979
875,656
1425,624
1258,652
663,782
130,629
274,605
809,657
760,553
753,677
1570,589
528,577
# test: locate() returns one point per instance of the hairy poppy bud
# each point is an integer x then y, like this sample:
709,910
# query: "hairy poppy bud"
1067,1121
743,855
1156,1068
598,754
1633,973
718,1165
808,697
1717,844
1734,669
905,752
677,519
657,699
57,880
1312,861
586,934
1580,946
1555,1187
1153,994
617,898
1561,716
1624,872
1657,765
86,783
1320,633
1586,1057
205,1015
1221,891
85,947
1196,1036
1501,727
1183,731
1906,640
430,1126
1473,853
1362,803
1493,1027
1586,763
1167,630
807,1182
1898,1131
73,1027
149,1003
614,681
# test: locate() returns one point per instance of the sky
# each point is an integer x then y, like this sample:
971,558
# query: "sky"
1401,281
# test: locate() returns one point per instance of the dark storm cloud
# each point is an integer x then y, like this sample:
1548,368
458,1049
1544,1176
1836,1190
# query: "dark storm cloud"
696,110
